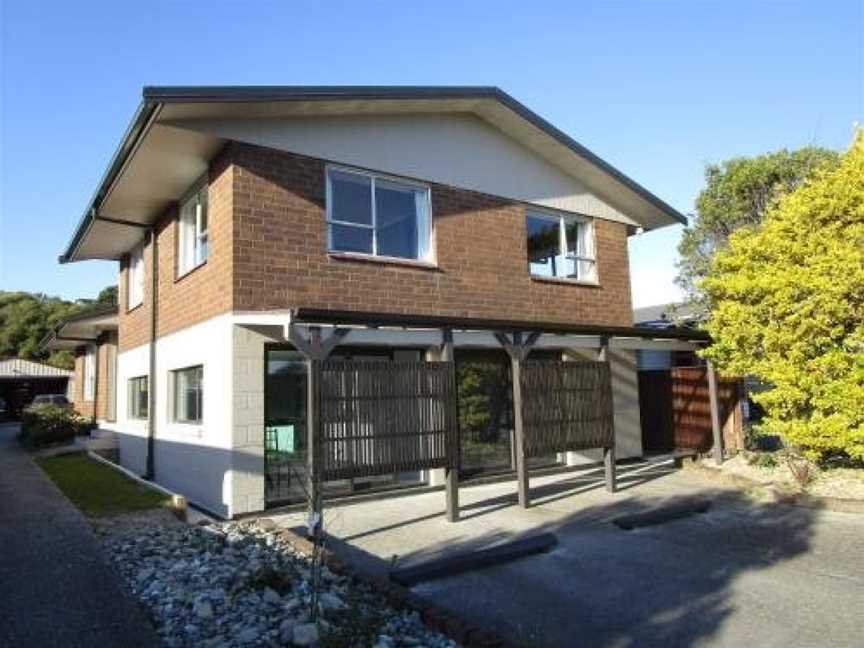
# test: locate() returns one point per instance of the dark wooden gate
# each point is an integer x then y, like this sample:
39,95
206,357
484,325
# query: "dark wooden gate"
675,408
378,418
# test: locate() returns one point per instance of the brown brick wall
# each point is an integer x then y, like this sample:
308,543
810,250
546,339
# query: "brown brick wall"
196,296
268,250
84,408
103,372
281,260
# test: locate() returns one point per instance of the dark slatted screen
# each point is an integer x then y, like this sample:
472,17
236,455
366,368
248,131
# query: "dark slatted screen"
386,417
566,406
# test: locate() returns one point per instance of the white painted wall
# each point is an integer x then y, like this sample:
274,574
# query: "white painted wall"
456,149
194,460
219,464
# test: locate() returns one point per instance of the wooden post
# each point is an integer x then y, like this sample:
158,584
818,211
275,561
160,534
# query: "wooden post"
518,350
609,467
315,351
451,472
715,414
603,352
518,429
313,483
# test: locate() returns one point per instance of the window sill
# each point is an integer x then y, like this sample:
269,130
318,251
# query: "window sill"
384,260
130,309
568,282
190,271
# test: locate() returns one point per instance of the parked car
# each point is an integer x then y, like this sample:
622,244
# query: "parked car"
51,399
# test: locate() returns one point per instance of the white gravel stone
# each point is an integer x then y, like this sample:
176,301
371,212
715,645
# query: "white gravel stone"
305,634
238,584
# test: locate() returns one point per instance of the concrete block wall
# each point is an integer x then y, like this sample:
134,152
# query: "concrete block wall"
248,416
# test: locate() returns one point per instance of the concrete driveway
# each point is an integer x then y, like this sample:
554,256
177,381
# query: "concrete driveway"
741,574
55,588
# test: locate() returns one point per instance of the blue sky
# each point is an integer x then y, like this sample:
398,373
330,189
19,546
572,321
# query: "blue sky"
656,88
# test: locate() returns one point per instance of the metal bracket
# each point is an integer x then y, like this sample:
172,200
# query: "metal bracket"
315,348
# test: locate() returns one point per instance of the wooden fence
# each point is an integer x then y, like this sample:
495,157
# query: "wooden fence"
566,406
386,417
676,410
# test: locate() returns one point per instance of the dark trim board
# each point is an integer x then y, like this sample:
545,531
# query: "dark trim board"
322,316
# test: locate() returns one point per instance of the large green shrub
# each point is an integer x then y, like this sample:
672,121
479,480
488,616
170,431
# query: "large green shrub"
43,425
787,307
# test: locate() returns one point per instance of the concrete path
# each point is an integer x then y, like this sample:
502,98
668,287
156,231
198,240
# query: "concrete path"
743,574
55,589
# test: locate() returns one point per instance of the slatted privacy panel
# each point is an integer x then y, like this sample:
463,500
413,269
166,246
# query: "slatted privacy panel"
566,406
378,418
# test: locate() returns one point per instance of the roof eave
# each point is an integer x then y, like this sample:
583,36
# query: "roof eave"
154,96
130,138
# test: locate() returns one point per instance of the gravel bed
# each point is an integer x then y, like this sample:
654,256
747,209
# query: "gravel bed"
238,584
844,483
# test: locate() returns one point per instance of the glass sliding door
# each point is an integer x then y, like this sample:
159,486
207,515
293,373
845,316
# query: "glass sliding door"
485,411
285,437
284,425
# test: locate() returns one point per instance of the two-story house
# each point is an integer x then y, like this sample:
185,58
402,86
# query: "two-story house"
236,211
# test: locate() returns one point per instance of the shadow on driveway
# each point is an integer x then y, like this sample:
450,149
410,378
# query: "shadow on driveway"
743,573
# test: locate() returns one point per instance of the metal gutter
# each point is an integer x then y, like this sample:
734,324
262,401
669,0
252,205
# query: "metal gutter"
150,467
131,138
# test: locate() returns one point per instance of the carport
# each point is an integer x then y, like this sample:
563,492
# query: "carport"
22,380
363,419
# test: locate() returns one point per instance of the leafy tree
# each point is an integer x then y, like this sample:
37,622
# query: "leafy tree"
26,318
108,295
786,305
737,194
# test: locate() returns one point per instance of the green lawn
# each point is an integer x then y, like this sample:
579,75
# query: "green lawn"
96,489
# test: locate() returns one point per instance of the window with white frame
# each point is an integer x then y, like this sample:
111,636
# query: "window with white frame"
135,277
89,373
187,400
139,397
377,215
560,246
192,240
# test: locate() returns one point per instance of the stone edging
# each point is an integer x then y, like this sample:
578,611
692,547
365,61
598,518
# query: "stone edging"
837,504
433,616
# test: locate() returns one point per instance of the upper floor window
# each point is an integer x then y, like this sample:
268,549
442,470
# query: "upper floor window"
192,239
560,246
135,278
376,215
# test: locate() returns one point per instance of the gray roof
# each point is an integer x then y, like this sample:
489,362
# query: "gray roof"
21,368
662,313
155,97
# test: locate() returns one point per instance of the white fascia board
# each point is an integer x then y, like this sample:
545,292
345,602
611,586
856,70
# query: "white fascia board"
637,344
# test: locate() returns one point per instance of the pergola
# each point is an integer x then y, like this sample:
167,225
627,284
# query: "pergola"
306,330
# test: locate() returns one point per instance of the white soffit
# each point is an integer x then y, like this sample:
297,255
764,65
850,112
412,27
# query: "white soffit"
166,164
455,149
106,240
521,157
509,124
